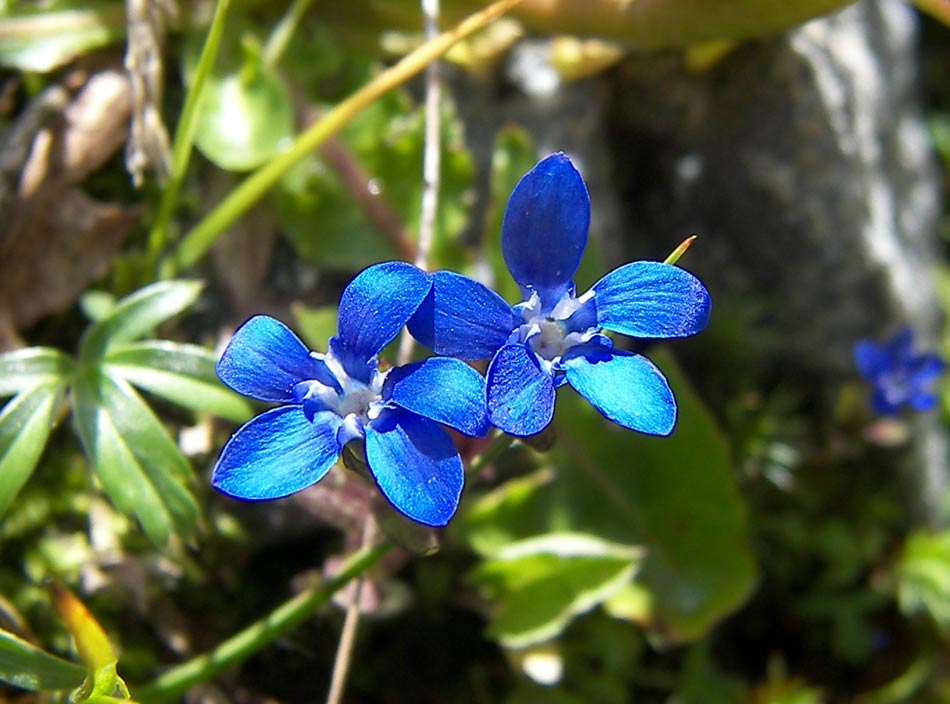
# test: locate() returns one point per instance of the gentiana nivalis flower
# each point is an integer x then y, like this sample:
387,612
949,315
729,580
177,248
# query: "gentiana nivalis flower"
328,400
554,337
898,376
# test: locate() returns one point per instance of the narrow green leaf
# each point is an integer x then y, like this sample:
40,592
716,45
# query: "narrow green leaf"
45,39
922,573
139,466
25,425
543,582
26,666
25,368
137,314
181,373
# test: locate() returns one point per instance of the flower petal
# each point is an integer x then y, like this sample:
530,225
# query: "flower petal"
264,360
445,390
871,359
416,466
544,229
626,388
375,305
277,453
652,299
462,318
520,393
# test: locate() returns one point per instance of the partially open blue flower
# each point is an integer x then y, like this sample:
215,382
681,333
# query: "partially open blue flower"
554,337
328,400
898,376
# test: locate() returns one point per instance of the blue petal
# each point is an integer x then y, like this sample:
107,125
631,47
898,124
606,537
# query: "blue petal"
925,368
627,388
520,393
462,318
545,227
871,359
264,360
416,466
651,299
922,402
277,453
444,390
375,305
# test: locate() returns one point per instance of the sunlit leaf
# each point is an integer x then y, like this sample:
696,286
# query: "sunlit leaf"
181,373
25,425
315,325
24,368
922,572
136,314
26,666
245,117
541,583
44,38
139,466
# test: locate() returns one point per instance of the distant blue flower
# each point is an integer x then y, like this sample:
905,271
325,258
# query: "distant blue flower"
328,400
898,377
553,337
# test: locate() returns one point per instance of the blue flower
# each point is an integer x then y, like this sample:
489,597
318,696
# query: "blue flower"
554,337
898,377
328,400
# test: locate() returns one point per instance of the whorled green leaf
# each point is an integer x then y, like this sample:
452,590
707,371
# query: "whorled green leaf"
45,38
25,425
140,468
181,373
541,583
136,314
922,574
28,667
674,496
244,117
25,368
349,208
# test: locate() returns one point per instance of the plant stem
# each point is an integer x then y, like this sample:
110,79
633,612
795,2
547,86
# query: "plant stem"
193,246
491,453
185,134
259,634
344,652
279,39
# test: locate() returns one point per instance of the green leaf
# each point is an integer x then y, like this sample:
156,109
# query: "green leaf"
181,373
44,39
676,496
139,466
25,368
315,325
244,117
136,314
26,666
922,572
545,581
25,425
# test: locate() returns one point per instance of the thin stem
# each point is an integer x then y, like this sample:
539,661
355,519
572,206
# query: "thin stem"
259,634
431,161
193,246
279,39
185,134
491,453
344,651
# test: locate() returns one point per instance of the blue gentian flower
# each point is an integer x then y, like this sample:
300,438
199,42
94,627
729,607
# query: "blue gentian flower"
554,337
328,400
898,376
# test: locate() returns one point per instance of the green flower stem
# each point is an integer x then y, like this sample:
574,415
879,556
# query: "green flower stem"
185,134
194,245
259,634
279,39
491,453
